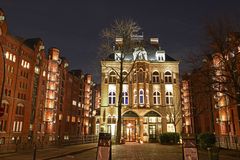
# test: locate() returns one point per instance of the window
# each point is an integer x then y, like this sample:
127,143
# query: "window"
20,109
112,77
111,98
17,126
168,77
155,77
170,127
5,105
3,125
169,98
125,98
141,96
74,103
156,98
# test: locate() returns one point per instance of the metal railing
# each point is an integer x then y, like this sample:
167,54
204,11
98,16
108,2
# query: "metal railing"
228,142
28,145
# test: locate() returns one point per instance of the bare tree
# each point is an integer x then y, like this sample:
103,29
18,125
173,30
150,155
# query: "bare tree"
118,39
224,45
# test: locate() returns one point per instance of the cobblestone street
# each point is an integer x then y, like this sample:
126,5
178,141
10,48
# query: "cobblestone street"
128,151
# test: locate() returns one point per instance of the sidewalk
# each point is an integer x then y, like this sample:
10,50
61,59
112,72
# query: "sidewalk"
49,153
156,151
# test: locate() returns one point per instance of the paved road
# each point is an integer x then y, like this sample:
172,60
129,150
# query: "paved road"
155,151
128,151
87,155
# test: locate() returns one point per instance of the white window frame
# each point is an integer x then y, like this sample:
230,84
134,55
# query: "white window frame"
112,98
141,95
156,98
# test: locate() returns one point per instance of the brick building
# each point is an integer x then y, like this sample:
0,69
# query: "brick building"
24,89
44,103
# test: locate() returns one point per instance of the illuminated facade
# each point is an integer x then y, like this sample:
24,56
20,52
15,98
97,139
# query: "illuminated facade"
215,111
187,119
52,92
151,94
24,89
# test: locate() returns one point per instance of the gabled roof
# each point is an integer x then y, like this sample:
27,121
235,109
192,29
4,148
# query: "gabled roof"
31,42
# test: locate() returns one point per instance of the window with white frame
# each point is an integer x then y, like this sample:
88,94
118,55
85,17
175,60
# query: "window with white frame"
169,98
155,77
111,98
125,98
168,77
141,96
156,98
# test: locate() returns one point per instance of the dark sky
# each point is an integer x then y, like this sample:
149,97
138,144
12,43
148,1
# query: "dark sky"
74,26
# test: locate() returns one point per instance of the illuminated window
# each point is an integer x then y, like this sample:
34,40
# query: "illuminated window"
37,70
44,73
170,127
111,98
141,96
168,77
7,55
155,77
74,103
125,98
156,98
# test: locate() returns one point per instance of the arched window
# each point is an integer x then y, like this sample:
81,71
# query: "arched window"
168,77
169,98
141,96
156,98
109,119
155,77
125,98
111,98
5,105
140,76
112,77
20,109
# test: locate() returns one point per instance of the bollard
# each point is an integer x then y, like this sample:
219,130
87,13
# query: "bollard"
34,151
209,153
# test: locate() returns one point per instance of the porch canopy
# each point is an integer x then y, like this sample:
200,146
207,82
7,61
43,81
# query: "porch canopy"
152,114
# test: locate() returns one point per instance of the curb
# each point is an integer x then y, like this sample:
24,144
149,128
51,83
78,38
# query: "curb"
69,153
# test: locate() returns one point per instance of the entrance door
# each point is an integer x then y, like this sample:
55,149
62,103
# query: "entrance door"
129,130
152,132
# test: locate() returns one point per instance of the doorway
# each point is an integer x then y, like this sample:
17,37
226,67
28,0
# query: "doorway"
152,132
129,129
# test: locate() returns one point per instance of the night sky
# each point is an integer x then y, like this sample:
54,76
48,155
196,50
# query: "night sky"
74,26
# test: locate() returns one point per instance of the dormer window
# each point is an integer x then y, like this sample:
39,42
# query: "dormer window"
160,56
